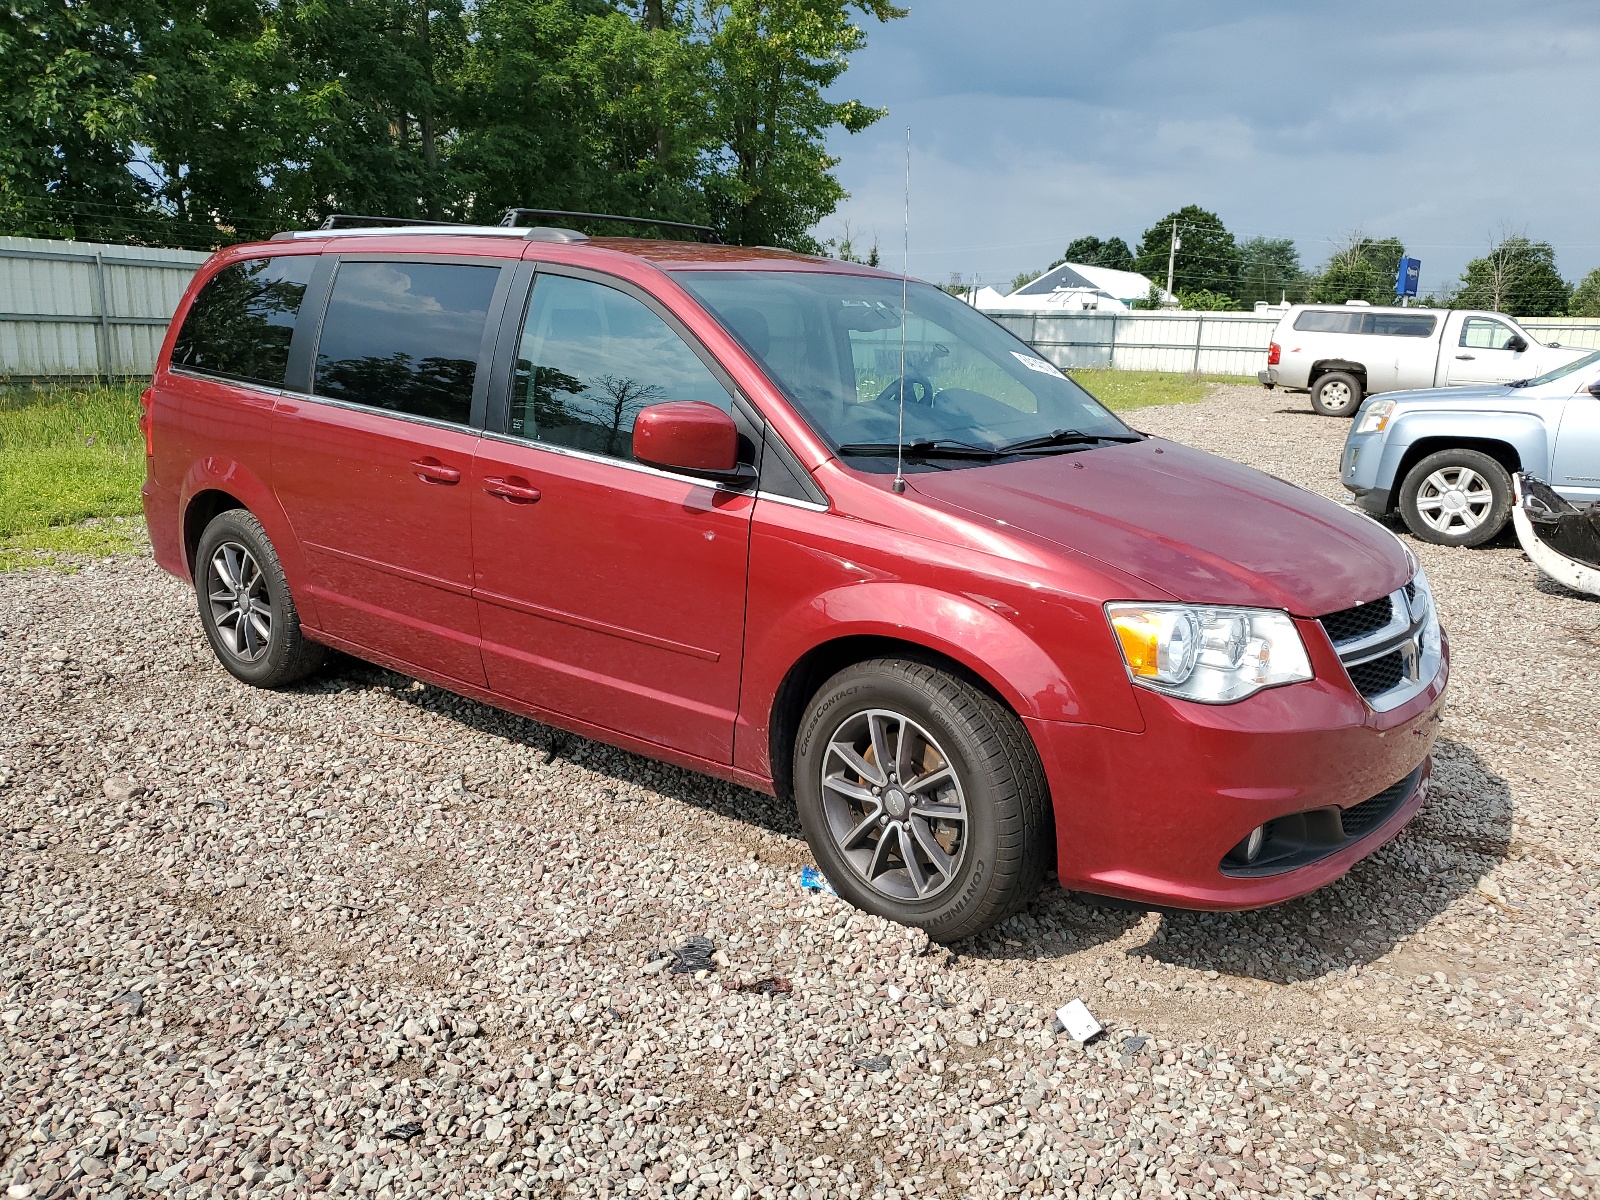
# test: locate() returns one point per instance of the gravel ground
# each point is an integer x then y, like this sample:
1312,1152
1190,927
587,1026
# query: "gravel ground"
365,938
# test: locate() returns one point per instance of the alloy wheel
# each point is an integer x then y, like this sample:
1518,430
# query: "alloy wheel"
1454,500
894,806
240,607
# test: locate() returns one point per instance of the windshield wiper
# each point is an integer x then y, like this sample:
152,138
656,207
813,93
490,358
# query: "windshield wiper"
1520,383
1065,437
921,448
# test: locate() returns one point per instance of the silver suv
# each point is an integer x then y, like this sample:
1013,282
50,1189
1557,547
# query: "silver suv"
1444,457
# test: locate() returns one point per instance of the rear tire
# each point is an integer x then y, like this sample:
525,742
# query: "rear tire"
1337,394
245,607
964,797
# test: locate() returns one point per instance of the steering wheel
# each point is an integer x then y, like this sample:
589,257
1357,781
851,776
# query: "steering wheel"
919,390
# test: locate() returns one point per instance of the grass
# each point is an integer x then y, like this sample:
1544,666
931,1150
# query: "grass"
70,457
1122,390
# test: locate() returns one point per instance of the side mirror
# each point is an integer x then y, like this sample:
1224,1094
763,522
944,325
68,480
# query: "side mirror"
690,436
1517,345
1594,388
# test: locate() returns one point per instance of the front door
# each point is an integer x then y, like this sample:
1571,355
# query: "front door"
1483,354
1575,469
375,470
608,591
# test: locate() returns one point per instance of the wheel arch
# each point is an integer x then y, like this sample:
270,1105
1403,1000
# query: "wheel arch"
822,662
1521,447
203,508
1326,366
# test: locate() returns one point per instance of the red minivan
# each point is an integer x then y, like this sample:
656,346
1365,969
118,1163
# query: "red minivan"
651,492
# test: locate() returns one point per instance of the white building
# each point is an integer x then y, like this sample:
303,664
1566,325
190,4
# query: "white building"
1072,287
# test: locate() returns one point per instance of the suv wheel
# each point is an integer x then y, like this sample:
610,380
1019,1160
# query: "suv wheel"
922,797
1456,498
245,606
1336,394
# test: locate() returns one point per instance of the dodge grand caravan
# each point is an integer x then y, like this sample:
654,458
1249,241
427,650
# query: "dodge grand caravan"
651,492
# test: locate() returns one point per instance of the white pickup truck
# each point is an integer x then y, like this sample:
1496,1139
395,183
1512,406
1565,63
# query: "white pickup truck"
1343,353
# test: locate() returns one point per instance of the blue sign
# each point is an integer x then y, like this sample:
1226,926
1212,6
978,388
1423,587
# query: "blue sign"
1405,280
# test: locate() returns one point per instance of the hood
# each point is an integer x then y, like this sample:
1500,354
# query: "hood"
1447,396
1193,526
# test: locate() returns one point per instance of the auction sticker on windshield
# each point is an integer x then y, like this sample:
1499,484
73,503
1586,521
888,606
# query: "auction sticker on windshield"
1037,364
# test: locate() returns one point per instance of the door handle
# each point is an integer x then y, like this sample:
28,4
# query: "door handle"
431,470
1466,357
514,490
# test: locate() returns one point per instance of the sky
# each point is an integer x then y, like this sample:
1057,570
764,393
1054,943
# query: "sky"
1441,122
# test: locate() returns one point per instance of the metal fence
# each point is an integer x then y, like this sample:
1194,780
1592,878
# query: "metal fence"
1208,343
83,309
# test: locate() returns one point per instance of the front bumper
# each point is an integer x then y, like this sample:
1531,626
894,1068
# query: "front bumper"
1361,471
1149,817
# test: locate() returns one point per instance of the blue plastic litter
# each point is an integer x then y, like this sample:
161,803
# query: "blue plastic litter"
814,880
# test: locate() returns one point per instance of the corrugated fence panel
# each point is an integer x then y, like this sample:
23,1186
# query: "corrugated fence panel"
1568,331
1207,343
86,308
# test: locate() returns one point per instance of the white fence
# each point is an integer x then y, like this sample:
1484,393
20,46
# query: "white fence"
78,309
1220,343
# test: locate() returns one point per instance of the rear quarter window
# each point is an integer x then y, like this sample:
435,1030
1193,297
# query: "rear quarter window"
1328,322
240,325
1400,325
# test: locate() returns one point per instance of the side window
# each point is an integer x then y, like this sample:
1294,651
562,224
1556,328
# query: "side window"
241,323
1314,321
405,336
1480,333
1399,325
591,358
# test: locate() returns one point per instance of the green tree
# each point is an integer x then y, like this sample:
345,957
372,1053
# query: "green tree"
768,65
1269,269
1204,300
1362,269
1517,276
69,119
1112,253
1585,301
1208,257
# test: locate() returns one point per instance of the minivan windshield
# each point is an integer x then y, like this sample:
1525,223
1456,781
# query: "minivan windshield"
1561,372
832,344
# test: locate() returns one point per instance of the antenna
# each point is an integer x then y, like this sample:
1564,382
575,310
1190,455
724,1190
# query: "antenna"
905,275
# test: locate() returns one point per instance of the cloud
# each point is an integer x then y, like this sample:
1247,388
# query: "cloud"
1035,121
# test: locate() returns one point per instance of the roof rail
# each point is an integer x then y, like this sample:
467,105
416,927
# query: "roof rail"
361,221
513,218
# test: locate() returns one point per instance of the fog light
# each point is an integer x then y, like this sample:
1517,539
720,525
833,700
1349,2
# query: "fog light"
1249,850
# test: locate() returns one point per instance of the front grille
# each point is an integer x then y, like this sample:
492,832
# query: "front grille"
1348,624
1378,675
1358,819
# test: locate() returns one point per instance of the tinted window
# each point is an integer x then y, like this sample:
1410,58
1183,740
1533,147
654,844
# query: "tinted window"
1481,333
591,358
242,321
1399,325
405,336
1329,322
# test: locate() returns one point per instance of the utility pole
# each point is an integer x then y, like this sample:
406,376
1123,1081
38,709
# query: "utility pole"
1172,258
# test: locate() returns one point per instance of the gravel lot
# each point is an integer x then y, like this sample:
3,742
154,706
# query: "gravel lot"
364,938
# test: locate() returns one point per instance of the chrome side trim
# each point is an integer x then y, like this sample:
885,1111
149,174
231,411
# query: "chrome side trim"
626,464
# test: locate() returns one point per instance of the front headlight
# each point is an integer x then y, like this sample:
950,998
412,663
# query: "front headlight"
1430,647
1375,416
1213,655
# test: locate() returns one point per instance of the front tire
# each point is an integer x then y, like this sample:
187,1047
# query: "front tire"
245,607
1456,498
922,797
1337,394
